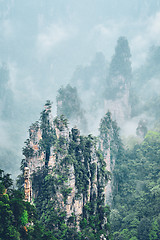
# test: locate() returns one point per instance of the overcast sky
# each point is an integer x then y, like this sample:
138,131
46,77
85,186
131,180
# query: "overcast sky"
43,41
47,39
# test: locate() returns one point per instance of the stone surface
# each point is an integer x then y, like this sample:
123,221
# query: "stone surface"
72,204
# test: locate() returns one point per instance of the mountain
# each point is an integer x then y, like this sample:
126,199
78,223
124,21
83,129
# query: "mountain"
65,176
136,191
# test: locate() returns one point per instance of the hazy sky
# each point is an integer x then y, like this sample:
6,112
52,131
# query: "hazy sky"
46,39
43,41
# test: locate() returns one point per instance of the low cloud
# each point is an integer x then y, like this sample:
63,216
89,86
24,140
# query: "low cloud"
51,37
148,34
5,138
141,34
104,36
154,28
7,29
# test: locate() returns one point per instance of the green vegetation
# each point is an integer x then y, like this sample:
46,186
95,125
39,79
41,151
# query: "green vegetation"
136,203
144,91
16,215
52,189
120,71
48,135
69,105
120,64
19,219
79,172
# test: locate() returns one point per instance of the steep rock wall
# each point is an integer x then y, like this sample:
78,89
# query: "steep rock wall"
119,106
75,167
110,144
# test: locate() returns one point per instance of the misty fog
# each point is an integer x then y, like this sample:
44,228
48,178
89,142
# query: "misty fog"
47,44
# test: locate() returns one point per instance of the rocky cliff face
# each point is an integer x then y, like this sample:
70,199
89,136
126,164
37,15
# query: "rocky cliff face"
119,82
119,107
110,145
65,170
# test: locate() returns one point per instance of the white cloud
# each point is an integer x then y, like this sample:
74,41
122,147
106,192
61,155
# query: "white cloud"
13,71
154,28
105,35
147,34
7,28
21,83
53,35
141,34
5,141
139,48
103,30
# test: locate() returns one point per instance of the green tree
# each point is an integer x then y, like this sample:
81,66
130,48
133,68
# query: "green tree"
69,105
120,71
137,186
48,135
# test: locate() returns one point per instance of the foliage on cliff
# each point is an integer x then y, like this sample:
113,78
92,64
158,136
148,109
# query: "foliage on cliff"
78,172
15,213
144,93
120,70
52,189
69,105
109,134
121,64
136,202
19,219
